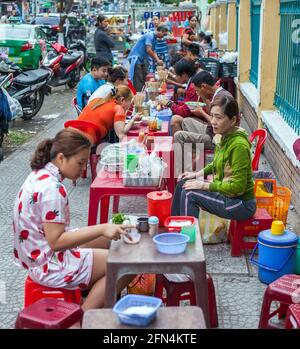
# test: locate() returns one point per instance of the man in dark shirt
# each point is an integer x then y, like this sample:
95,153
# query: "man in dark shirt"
103,43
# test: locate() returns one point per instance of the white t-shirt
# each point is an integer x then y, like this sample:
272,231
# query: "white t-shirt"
102,91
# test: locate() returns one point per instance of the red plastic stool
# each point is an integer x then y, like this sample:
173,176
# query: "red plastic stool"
292,320
49,313
34,291
285,290
177,285
238,230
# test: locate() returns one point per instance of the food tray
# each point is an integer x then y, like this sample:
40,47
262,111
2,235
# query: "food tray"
175,223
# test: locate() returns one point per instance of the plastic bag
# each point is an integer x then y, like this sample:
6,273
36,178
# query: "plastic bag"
14,105
142,284
213,229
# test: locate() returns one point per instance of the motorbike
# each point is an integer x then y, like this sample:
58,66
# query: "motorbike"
29,88
65,64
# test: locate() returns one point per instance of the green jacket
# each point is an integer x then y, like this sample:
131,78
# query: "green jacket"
232,167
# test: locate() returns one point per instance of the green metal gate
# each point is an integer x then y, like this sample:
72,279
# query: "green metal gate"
287,96
255,33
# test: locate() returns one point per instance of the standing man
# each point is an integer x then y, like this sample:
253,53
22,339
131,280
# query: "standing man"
103,43
139,54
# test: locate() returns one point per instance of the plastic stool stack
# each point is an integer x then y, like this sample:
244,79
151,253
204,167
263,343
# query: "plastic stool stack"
49,313
292,320
286,291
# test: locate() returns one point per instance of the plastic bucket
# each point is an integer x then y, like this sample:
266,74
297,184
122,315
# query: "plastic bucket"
297,263
274,260
159,205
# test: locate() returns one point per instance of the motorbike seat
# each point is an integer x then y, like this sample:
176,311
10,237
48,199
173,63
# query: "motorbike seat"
69,59
32,77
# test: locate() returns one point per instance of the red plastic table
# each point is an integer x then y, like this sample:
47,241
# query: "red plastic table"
110,184
124,259
143,128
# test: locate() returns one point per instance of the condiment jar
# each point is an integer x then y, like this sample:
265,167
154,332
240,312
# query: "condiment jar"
153,225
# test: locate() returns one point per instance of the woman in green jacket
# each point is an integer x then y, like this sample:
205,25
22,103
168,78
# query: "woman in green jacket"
231,193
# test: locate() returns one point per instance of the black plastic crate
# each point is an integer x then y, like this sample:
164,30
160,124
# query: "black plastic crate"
212,65
228,70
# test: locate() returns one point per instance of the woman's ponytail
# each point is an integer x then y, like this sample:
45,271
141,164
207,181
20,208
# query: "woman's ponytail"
42,155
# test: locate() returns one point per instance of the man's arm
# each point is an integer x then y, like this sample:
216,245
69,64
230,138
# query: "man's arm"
153,55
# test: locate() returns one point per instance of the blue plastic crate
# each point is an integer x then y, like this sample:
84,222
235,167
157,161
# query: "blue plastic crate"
134,300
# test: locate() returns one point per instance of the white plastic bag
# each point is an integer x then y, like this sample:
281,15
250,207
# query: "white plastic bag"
213,229
14,105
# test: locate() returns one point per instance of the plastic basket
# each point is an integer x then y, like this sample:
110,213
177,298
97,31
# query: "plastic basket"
228,70
212,65
133,300
276,202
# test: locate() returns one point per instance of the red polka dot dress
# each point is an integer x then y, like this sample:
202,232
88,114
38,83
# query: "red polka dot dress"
43,199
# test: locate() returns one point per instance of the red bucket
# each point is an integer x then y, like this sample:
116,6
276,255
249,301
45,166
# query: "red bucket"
159,205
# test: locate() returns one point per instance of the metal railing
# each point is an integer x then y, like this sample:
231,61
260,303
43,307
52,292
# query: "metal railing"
287,95
255,34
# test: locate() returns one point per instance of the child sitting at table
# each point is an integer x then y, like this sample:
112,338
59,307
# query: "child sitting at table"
53,254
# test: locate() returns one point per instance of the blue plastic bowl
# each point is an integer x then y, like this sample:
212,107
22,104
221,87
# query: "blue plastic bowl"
171,243
165,114
134,300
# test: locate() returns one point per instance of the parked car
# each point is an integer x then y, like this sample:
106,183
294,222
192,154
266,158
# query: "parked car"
50,24
24,44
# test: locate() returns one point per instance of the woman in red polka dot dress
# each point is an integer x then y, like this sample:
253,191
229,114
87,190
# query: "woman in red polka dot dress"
54,255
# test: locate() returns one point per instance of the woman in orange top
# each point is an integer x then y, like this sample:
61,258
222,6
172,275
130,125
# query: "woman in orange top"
109,113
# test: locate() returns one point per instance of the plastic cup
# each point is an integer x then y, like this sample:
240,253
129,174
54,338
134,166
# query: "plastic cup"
131,162
190,231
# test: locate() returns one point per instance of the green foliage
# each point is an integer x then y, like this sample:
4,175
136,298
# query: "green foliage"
118,218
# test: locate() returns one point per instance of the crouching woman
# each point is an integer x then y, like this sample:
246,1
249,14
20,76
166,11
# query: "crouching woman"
231,193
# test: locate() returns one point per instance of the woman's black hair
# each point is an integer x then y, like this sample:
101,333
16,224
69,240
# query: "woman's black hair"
67,141
192,16
203,77
117,73
207,38
194,49
228,105
185,67
202,35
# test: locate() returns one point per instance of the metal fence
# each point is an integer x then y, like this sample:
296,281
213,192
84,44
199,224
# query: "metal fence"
255,33
287,96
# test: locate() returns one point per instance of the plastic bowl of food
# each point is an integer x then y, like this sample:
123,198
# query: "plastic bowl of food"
137,310
195,105
171,243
